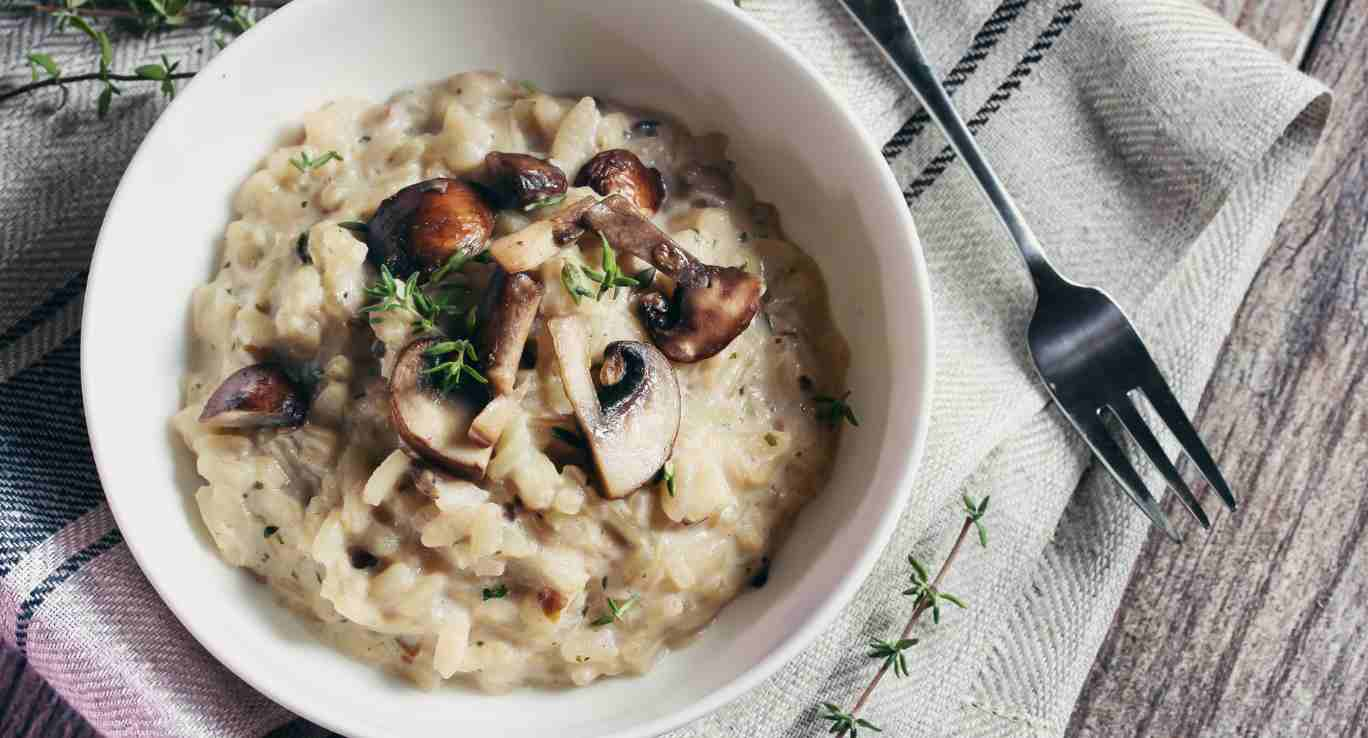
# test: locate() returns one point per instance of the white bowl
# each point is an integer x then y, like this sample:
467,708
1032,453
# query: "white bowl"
705,62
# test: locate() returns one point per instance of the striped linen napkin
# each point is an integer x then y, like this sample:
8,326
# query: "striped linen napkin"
1153,148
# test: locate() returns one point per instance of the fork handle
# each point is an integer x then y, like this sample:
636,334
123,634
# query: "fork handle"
893,33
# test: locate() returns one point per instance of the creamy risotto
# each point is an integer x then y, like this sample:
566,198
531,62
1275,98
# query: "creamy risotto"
507,388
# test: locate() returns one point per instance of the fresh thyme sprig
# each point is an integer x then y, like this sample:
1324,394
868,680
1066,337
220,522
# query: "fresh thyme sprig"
454,264
455,361
846,722
615,610
832,410
305,164
611,276
975,513
237,16
392,293
892,654
164,73
151,15
570,279
140,16
924,591
43,63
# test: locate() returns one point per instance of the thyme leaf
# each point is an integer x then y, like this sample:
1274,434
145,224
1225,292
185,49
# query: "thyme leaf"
455,362
832,410
615,610
844,722
305,164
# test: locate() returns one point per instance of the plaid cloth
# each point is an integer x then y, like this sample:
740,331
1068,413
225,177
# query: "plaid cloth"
1153,148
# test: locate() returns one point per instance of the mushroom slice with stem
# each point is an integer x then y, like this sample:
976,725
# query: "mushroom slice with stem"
420,227
256,396
620,172
523,180
632,417
436,423
711,304
509,307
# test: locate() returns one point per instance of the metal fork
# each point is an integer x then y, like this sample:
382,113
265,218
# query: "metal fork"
1086,351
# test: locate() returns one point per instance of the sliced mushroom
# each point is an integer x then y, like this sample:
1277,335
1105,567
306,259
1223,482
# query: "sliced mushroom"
506,314
423,225
711,304
710,308
632,417
256,396
436,424
620,172
522,179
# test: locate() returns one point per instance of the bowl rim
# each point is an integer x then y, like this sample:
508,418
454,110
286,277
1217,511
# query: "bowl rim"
820,618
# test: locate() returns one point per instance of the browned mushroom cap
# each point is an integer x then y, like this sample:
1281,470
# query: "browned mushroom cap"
436,424
632,419
711,304
620,172
522,179
506,314
256,396
423,225
711,307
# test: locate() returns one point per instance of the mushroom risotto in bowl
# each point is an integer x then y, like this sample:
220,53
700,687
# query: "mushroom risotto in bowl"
505,387
581,390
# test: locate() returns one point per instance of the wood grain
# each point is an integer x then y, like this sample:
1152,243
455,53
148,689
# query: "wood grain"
1258,630
1285,26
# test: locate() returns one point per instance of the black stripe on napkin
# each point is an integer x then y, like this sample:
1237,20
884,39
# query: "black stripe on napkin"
984,41
1043,43
55,302
55,579
47,475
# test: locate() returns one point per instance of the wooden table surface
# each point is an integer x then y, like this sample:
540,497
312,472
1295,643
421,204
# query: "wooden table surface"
1261,627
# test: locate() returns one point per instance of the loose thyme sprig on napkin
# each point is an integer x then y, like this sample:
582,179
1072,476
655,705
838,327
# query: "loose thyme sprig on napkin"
85,16
927,595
